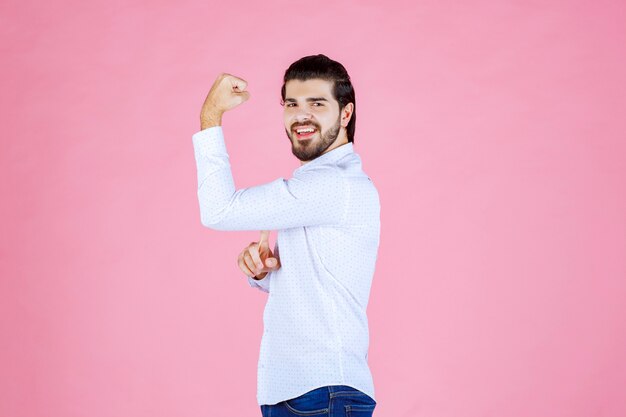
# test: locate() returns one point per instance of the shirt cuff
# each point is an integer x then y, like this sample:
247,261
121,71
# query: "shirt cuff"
209,141
262,284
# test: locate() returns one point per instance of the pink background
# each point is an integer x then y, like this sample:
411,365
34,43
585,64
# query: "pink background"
494,132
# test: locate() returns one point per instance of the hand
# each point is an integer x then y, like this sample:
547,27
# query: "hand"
226,93
256,260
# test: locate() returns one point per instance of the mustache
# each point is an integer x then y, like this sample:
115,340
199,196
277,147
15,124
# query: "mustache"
297,125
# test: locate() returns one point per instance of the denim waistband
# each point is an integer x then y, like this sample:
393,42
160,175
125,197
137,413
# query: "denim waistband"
341,388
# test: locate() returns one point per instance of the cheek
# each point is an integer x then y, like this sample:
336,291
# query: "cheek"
288,116
326,122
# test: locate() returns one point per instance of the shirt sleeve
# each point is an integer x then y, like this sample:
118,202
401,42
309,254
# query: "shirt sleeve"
261,284
315,195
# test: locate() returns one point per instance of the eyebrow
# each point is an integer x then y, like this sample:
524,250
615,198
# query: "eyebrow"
309,99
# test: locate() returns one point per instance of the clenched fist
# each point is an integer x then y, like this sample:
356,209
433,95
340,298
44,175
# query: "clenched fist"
226,93
256,260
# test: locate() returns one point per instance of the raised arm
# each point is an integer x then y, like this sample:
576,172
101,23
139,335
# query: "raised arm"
315,195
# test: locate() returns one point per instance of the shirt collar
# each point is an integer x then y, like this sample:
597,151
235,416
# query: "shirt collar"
329,157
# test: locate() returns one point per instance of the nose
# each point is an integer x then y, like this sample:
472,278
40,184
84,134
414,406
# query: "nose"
303,116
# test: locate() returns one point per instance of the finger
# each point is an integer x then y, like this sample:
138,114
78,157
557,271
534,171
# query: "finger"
242,265
256,258
265,239
252,266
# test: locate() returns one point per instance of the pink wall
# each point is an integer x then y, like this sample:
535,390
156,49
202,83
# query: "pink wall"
493,130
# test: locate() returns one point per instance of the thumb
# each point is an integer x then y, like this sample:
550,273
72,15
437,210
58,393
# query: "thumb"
270,262
237,83
238,88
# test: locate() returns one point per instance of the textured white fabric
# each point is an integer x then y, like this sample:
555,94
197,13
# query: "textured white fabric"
328,221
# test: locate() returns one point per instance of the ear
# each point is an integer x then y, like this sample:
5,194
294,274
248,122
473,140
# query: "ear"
346,114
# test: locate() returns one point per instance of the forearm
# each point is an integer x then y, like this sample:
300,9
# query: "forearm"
210,119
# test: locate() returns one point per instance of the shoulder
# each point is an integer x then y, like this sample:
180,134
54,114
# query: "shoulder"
327,179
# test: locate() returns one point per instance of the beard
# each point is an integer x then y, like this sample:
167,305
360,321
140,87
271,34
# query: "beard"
310,149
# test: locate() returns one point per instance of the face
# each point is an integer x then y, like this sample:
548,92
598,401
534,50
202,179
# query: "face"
313,122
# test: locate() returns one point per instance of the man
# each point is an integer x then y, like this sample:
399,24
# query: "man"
313,358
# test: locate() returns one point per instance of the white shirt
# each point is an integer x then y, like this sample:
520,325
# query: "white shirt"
328,221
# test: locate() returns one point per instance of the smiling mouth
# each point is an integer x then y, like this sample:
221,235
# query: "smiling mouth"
303,133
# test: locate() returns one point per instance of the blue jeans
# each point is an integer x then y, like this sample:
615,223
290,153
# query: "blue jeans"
329,401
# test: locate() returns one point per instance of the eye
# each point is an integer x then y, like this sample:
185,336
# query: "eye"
318,103
290,104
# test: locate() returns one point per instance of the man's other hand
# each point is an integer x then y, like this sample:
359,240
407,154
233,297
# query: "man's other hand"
256,260
226,93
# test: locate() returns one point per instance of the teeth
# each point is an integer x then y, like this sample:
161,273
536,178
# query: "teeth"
305,130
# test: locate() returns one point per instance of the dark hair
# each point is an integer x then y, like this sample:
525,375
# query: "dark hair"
321,67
